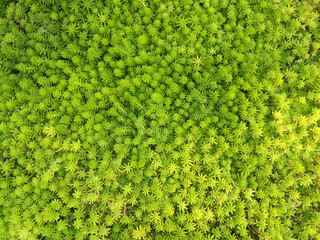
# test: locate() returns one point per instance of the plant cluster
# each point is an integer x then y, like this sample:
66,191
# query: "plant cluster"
133,119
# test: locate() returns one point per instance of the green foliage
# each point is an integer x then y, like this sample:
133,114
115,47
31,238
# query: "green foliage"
159,119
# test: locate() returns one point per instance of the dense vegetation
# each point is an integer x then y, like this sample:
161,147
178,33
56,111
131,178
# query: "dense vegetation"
132,119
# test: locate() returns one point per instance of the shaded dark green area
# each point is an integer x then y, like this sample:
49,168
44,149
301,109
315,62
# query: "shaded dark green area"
4,4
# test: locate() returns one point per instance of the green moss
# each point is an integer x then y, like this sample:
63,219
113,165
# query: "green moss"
159,120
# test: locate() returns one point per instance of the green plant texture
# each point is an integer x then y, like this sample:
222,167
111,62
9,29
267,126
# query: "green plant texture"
159,120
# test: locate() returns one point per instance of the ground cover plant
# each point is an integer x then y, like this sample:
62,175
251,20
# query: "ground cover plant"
133,119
